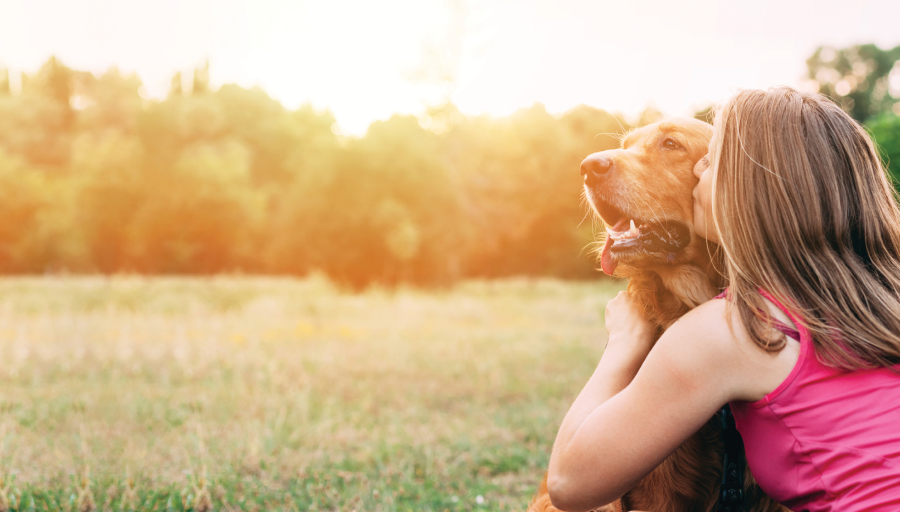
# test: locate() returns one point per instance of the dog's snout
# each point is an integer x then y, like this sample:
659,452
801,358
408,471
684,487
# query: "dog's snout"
595,166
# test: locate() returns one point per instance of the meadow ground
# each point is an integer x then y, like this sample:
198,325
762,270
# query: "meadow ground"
278,394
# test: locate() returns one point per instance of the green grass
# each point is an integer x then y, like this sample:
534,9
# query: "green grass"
279,394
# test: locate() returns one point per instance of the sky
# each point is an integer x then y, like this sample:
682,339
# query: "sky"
366,60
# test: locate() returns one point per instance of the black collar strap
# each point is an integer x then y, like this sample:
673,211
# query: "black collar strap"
733,471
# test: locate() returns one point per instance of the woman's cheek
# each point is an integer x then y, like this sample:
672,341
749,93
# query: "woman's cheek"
699,221
701,197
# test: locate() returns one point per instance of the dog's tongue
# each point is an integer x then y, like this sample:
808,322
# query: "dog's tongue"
607,263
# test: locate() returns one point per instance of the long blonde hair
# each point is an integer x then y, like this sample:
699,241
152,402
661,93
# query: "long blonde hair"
804,210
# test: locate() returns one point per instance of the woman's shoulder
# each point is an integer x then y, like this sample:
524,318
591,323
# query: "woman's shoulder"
710,322
715,319
706,334
714,336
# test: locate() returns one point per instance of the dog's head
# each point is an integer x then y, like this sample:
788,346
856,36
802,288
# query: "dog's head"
642,191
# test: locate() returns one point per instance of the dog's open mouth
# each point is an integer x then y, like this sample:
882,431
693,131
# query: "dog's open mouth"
628,236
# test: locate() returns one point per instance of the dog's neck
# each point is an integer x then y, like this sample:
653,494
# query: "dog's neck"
689,284
695,283
668,292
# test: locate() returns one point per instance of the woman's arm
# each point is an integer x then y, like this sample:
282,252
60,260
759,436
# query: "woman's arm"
619,429
630,340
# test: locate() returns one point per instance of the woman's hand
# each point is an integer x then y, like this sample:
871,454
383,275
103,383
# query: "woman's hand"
631,336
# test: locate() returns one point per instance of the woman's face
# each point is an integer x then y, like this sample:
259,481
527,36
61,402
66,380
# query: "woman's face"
703,224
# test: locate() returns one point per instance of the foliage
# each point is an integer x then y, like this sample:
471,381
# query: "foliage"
101,179
96,178
863,79
886,130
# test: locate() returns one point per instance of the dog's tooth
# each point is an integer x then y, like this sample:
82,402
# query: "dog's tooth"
632,232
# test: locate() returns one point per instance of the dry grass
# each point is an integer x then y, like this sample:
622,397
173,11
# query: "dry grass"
262,394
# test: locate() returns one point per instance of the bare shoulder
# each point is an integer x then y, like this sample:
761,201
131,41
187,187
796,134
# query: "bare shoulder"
708,347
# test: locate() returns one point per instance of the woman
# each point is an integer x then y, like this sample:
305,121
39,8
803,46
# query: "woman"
805,344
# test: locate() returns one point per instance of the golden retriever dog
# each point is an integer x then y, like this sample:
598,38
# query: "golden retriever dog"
642,191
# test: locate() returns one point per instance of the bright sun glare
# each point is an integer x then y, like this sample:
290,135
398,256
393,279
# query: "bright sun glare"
368,60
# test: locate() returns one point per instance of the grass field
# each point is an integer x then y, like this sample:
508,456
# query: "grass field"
277,394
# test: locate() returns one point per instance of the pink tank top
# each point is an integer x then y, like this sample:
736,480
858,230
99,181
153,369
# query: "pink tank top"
825,439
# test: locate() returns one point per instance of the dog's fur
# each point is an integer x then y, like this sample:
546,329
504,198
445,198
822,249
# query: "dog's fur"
650,179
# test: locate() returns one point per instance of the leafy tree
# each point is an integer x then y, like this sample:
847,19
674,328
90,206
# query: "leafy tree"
201,80
863,79
203,219
22,202
885,129
175,87
94,177
110,102
384,211
650,115
4,82
111,191
37,123
706,114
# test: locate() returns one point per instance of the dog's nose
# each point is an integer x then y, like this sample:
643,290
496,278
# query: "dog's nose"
595,165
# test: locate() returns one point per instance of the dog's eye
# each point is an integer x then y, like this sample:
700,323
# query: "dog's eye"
670,144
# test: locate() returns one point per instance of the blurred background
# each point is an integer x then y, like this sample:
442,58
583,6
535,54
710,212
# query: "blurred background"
332,255
384,142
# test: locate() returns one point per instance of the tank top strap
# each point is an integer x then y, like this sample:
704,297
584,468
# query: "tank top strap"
801,333
784,329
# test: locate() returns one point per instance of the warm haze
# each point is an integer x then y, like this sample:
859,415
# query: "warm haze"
367,60
259,289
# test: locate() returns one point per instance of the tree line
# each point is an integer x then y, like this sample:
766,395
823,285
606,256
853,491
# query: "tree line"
94,178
